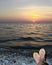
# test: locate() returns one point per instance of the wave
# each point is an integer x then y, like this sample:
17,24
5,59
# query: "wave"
36,39
31,33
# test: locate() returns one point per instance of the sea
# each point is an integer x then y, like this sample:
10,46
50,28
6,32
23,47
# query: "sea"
25,33
24,38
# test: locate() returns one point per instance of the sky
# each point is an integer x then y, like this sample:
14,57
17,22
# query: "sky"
31,10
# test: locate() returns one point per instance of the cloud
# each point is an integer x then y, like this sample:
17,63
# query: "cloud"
23,3
34,2
50,15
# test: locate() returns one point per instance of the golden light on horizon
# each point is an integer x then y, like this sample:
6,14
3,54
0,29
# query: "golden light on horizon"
31,13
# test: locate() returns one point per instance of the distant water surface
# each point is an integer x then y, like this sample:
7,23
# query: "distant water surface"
14,34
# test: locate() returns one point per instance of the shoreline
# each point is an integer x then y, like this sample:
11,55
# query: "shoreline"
26,50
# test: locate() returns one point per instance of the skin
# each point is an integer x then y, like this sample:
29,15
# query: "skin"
42,63
40,57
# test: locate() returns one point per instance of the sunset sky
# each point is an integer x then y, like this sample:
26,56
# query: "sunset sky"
32,10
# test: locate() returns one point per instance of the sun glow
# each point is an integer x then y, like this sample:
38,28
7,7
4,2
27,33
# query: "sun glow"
31,13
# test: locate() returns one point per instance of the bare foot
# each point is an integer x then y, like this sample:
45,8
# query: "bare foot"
40,57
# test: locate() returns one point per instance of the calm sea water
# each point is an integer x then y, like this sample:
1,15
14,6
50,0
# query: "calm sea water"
25,33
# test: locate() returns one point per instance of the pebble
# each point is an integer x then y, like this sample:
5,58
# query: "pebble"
19,60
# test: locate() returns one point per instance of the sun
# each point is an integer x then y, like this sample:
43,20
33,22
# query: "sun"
31,15
34,16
